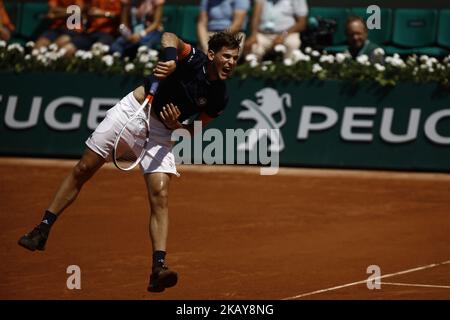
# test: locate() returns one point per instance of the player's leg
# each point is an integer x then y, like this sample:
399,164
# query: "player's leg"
89,163
158,194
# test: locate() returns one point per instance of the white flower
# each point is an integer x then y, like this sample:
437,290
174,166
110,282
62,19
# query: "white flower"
251,57
423,58
129,67
308,50
379,52
254,64
327,58
264,68
29,44
142,49
27,57
116,54
79,53
105,48
431,61
280,48
340,57
315,53
2,44
316,68
430,70
362,59
51,56
144,58
288,62
396,61
298,55
15,46
43,50
87,55
53,47
108,60
149,65
380,67
153,54
34,52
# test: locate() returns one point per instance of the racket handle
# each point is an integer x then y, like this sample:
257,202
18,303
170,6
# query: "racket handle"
153,88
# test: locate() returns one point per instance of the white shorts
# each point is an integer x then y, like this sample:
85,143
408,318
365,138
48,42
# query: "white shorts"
158,156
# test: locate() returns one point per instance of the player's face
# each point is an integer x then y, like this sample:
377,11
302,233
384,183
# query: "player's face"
223,63
356,34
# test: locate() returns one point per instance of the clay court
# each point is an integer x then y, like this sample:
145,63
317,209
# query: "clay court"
302,234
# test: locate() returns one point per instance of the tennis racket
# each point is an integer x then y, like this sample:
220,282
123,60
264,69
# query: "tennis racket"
130,143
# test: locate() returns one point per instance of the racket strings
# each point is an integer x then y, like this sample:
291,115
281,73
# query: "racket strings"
132,141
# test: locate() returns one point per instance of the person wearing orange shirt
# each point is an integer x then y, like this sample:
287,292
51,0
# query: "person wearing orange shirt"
103,21
6,26
58,32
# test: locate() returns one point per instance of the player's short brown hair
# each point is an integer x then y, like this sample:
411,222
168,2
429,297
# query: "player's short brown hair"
224,39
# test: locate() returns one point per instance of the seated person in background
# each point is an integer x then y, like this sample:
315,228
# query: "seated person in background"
276,22
6,26
142,26
103,21
58,32
358,44
220,15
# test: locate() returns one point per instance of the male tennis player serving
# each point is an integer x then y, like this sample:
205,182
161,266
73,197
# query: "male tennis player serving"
191,83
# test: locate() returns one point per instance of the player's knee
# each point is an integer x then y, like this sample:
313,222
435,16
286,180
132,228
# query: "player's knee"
82,170
159,197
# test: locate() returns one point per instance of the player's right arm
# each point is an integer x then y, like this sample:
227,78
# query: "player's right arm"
173,49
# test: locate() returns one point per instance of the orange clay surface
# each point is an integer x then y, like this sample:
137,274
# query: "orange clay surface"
233,234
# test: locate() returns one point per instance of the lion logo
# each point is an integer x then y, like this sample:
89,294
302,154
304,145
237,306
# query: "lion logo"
268,104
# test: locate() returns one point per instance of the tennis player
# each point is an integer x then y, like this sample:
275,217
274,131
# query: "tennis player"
191,85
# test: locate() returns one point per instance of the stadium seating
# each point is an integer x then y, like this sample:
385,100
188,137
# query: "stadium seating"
405,31
32,23
443,39
415,31
188,23
170,18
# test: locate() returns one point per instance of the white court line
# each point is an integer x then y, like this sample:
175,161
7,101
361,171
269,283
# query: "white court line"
365,280
415,285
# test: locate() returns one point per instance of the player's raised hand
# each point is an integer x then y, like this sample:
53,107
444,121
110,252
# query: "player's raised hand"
170,115
164,68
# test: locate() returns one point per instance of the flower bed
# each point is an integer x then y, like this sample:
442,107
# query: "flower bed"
304,65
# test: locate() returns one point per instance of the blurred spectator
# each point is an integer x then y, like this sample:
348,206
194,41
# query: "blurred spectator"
104,17
358,44
142,26
6,27
276,22
219,15
58,32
